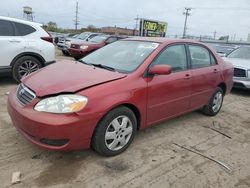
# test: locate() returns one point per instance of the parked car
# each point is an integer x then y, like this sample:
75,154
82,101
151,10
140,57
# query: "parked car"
80,49
62,38
65,45
240,58
25,47
123,87
222,49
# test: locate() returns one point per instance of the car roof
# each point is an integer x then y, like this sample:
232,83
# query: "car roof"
20,21
161,40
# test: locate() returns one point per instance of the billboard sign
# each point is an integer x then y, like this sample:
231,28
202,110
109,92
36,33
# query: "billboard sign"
152,28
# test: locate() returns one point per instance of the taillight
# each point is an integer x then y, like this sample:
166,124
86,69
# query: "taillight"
48,39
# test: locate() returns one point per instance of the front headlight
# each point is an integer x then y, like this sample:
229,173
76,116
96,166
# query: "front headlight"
68,43
84,47
62,104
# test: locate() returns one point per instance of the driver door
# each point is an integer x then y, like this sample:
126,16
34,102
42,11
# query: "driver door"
169,95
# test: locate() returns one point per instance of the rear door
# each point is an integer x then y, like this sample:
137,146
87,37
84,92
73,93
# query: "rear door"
169,95
206,75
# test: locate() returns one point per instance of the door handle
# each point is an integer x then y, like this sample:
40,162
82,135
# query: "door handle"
14,41
187,76
215,70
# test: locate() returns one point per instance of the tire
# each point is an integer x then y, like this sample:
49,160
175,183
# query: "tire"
211,109
77,58
65,53
23,66
110,140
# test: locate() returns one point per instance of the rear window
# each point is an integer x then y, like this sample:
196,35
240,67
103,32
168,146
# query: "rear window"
6,28
23,29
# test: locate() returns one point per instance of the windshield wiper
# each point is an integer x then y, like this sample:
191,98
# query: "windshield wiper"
84,62
103,66
98,65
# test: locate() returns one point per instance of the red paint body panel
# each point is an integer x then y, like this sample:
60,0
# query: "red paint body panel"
73,76
157,98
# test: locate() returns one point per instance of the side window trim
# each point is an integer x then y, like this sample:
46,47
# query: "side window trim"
212,55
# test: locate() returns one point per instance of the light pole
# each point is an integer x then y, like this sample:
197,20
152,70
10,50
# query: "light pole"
186,13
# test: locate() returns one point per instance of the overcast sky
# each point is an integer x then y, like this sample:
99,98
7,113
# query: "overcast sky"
226,17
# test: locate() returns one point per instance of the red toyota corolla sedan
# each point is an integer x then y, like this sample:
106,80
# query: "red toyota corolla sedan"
103,99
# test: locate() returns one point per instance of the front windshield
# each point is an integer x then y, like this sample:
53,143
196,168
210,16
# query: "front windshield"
241,53
123,56
83,36
98,39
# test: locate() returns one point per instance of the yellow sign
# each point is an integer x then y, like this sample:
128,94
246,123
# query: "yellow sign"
155,26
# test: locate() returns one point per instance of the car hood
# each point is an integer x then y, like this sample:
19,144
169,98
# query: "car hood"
68,77
241,63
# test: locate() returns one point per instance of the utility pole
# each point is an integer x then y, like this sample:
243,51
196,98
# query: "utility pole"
136,23
215,35
76,21
234,36
186,13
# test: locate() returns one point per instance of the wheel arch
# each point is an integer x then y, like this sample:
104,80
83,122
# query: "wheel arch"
223,86
130,106
32,54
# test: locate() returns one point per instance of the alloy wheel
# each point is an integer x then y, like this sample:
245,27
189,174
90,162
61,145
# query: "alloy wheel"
27,67
217,101
118,133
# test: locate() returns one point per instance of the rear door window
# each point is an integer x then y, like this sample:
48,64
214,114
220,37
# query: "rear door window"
200,57
6,28
23,29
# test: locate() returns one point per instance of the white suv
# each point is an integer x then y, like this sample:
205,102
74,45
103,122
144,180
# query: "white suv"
24,47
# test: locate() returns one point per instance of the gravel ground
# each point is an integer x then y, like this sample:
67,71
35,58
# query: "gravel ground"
151,161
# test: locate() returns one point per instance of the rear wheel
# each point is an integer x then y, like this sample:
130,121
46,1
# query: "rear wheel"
215,103
24,66
115,132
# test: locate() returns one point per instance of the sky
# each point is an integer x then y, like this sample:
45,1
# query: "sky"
226,17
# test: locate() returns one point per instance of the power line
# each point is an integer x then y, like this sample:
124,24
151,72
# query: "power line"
76,21
186,13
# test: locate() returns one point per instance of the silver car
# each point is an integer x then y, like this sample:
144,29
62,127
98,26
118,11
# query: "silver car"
240,58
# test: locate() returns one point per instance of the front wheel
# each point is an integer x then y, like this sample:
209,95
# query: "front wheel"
115,132
215,103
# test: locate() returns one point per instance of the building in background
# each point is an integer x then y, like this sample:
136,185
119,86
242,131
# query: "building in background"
119,31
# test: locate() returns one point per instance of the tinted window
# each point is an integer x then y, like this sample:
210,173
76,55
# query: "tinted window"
6,28
200,56
111,39
23,29
175,56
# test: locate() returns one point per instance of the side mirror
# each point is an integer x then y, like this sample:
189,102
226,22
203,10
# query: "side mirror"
160,70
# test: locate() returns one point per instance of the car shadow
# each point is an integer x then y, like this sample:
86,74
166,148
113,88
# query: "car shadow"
6,80
241,92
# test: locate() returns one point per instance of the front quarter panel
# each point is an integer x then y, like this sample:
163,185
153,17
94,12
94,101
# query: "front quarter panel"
105,97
